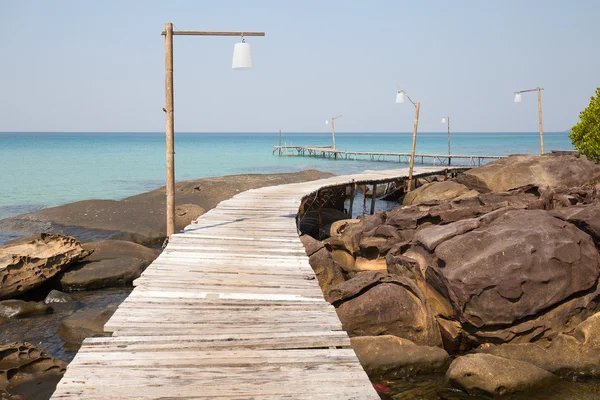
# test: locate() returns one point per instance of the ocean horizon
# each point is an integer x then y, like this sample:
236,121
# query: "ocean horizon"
46,169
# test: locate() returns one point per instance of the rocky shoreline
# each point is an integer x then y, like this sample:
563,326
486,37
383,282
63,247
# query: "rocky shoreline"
490,278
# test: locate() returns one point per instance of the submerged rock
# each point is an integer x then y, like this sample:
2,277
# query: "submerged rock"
29,262
496,376
83,324
22,309
392,357
56,296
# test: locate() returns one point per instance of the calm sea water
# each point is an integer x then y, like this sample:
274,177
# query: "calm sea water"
46,169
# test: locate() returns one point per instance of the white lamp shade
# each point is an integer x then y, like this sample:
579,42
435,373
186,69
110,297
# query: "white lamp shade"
443,120
400,98
326,122
518,98
242,57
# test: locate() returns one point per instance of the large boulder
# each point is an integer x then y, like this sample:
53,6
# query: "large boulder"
83,324
392,357
378,303
572,355
112,263
510,267
29,262
328,271
27,370
519,170
585,217
490,375
22,309
436,192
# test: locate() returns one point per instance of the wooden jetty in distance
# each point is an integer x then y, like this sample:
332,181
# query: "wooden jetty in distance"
231,309
429,159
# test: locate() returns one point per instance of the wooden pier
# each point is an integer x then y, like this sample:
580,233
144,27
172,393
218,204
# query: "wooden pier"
425,159
231,309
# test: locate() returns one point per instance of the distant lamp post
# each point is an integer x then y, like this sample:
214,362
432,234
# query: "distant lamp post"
400,100
447,120
518,99
242,58
333,130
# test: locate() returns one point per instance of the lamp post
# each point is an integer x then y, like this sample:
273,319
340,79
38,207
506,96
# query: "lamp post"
242,58
333,129
444,120
518,99
399,100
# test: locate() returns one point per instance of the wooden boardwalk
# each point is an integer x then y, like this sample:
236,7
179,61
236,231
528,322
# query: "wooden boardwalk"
231,309
430,159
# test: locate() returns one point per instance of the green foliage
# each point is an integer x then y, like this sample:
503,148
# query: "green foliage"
585,135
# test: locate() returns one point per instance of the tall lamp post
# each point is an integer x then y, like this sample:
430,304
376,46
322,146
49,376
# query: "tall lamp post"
242,58
399,100
518,99
444,120
333,129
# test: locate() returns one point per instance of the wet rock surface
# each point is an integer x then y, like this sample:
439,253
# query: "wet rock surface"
391,357
486,374
13,309
29,262
83,324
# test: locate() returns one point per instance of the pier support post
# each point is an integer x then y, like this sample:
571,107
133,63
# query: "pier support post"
373,198
352,194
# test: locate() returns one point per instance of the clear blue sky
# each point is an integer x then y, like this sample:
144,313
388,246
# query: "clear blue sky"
99,65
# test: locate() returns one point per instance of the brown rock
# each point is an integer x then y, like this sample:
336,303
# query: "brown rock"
338,227
83,324
519,170
328,272
24,366
479,374
392,357
377,303
344,259
364,264
29,262
435,192
520,264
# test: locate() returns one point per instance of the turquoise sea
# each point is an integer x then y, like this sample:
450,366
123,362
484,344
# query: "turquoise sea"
44,169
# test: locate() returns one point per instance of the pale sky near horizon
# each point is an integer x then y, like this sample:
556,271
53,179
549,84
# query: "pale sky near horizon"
81,66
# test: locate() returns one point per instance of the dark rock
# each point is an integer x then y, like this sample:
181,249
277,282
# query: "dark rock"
83,324
313,222
22,309
29,262
141,218
585,217
23,365
519,170
479,374
113,263
328,272
513,268
377,303
435,192
392,357
57,297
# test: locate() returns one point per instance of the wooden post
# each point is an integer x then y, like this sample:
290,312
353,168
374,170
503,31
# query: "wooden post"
539,91
170,129
352,194
448,140
332,134
373,197
414,144
364,207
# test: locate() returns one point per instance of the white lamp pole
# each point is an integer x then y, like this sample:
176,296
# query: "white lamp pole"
241,59
518,99
399,100
444,120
